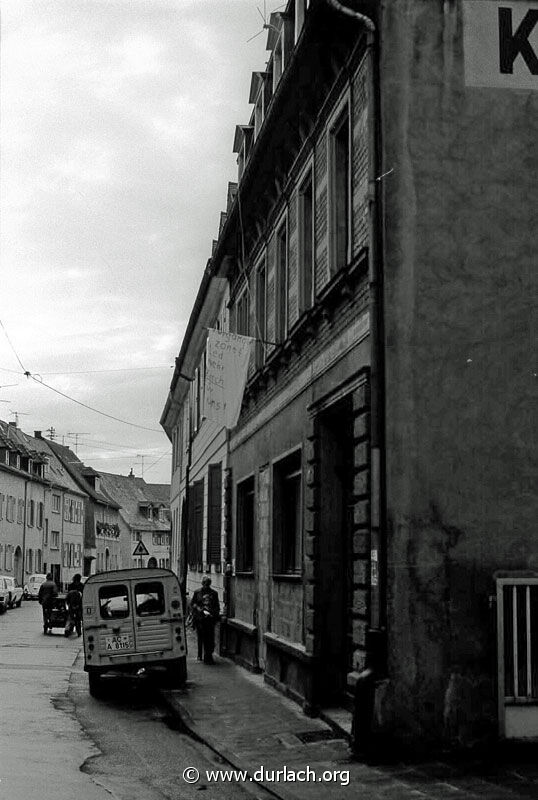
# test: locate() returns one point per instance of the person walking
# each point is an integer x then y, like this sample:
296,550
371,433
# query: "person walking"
48,592
73,602
205,609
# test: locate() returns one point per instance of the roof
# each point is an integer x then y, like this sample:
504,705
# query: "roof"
133,494
78,471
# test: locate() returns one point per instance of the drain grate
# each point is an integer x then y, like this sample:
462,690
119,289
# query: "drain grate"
307,737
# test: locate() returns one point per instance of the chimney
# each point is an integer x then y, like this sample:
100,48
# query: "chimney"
37,435
12,424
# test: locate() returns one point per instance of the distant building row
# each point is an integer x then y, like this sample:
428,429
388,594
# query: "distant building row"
58,515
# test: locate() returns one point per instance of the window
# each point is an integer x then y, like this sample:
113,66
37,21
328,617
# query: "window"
281,282
340,191
245,526
2,498
261,313
287,515
10,508
149,599
20,511
46,533
113,602
305,214
55,540
40,509
242,315
30,560
31,513
214,513
56,500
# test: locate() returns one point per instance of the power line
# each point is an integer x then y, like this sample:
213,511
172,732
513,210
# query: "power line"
11,345
93,371
90,408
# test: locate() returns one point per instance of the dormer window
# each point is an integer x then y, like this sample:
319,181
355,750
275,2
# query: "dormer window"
259,97
242,142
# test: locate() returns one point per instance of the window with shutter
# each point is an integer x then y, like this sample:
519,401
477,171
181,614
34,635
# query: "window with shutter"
214,513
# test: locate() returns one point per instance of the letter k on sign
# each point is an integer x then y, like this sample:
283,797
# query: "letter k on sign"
513,44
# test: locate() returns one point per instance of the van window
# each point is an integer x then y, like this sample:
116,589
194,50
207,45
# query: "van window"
113,602
149,598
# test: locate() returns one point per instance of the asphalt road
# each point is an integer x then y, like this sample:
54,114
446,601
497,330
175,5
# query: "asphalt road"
57,742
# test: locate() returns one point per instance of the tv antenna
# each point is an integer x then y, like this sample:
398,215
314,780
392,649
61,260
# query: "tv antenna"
142,457
18,414
266,25
76,435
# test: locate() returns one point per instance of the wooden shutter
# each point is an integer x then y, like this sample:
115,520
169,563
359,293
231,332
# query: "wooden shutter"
214,513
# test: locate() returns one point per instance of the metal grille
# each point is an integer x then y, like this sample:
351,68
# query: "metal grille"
520,639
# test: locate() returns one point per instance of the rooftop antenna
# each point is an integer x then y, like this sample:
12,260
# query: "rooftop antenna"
139,455
18,414
76,435
266,25
51,432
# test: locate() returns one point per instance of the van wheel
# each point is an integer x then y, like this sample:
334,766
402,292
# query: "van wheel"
19,603
95,684
176,673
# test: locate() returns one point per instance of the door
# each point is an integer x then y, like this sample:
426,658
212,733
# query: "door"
152,625
116,631
335,430
517,627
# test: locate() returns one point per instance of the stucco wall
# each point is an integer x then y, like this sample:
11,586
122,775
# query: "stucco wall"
460,264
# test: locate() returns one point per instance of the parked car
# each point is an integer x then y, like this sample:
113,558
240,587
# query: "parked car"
15,592
31,589
4,596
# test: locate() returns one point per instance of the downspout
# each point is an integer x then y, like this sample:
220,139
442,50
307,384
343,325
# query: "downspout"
376,648
23,560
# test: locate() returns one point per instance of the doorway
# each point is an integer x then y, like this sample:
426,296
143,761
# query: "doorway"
335,427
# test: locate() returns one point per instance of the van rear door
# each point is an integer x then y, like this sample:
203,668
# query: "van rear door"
116,630
153,631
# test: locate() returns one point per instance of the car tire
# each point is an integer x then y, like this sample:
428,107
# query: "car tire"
176,673
95,684
19,602
3,608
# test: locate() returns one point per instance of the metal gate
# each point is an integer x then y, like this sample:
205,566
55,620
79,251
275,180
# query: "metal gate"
517,626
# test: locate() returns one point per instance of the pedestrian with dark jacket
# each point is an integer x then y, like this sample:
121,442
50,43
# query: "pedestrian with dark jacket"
205,609
73,602
48,592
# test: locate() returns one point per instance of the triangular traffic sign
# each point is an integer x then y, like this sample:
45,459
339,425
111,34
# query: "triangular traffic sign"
140,549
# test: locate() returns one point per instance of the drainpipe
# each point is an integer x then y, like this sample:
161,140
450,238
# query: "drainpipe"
376,657
23,560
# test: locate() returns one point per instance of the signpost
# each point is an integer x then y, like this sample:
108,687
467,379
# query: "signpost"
140,551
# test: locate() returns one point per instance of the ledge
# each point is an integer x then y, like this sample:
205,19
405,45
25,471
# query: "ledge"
291,577
242,626
294,649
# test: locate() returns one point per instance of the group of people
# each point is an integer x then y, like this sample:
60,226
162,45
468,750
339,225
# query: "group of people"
48,592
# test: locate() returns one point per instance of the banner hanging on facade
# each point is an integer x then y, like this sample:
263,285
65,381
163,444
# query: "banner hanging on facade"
227,359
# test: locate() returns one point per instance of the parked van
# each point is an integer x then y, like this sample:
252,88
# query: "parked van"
133,619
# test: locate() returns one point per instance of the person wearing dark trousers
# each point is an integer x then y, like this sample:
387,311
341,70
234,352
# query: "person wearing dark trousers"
205,609
48,592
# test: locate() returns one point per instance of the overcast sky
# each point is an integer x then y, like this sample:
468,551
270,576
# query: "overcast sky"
117,124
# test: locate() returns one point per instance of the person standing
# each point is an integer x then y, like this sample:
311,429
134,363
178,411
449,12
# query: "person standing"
205,609
48,592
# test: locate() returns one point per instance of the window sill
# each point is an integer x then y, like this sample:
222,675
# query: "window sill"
244,573
294,649
292,577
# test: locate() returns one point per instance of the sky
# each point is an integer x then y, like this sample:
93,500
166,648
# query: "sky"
116,133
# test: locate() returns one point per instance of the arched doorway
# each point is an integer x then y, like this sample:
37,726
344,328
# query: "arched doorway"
107,560
152,562
17,565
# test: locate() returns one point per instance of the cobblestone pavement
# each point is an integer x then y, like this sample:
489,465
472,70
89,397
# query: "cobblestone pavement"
253,726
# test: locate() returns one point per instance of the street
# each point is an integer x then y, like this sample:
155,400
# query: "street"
58,742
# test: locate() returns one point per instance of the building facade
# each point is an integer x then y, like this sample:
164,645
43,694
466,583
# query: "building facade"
377,504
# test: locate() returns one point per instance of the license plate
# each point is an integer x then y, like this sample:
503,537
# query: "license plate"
121,642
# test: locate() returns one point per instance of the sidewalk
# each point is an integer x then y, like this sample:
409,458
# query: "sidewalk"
252,726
